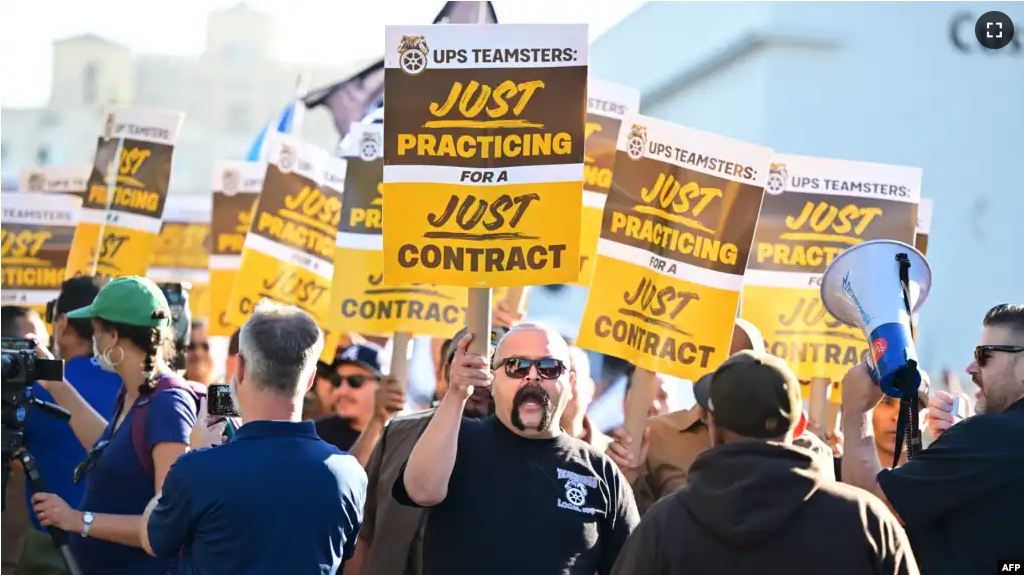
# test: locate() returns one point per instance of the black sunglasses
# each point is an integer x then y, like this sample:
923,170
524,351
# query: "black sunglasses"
90,461
519,367
199,345
982,353
353,381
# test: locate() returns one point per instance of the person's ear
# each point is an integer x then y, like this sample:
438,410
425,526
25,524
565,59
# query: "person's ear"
240,371
310,383
714,432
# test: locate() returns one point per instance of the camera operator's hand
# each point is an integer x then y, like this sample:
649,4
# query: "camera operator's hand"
467,371
53,511
43,353
388,400
205,434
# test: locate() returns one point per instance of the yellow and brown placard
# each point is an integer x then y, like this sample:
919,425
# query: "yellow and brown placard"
483,154
289,250
924,225
607,104
236,190
36,232
127,191
182,251
359,300
72,180
814,209
675,235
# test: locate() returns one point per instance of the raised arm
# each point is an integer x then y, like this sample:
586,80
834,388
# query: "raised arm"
430,465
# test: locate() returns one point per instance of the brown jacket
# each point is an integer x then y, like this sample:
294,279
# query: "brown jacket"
756,507
676,439
393,532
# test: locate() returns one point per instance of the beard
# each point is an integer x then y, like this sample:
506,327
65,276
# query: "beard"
535,393
479,405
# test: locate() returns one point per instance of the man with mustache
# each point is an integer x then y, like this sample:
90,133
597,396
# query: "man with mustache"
390,540
515,476
960,497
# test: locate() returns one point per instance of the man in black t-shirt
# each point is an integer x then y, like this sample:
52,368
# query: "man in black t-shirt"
513,493
962,498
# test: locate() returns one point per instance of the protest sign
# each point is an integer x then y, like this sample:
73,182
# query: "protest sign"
607,104
121,215
289,249
360,301
36,232
815,208
483,154
675,234
182,251
924,225
236,189
72,180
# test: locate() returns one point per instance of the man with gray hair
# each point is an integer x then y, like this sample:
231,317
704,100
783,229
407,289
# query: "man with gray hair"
561,505
276,499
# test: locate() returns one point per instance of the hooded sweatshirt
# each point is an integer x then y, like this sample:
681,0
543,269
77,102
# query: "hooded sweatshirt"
755,507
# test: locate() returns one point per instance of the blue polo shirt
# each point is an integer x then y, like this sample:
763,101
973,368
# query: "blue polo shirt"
275,499
55,447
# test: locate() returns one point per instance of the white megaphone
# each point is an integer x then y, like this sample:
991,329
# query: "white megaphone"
864,287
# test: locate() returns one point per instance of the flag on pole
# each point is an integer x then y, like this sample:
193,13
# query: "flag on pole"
352,99
289,122
285,123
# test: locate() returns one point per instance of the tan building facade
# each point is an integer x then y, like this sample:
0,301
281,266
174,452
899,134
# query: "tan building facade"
228,92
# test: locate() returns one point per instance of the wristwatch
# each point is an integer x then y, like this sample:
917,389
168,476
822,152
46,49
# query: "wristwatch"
87,523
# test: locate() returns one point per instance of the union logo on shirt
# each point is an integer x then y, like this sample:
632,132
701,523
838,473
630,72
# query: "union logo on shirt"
576,489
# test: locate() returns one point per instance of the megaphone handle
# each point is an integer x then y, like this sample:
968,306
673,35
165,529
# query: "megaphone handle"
904,262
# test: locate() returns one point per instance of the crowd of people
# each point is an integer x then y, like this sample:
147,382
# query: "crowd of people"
327,471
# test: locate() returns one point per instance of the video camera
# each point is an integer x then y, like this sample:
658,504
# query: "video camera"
177,295
20,368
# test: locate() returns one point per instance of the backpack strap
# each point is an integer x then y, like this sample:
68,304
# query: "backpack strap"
164,382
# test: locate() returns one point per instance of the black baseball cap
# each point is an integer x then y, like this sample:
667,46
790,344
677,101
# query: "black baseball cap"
366,355
754,394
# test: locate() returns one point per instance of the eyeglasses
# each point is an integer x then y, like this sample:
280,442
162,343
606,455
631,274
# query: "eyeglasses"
982,353
205,346
519,367
353,381
90,461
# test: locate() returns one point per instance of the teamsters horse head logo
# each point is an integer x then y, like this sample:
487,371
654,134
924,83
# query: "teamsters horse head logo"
369,146
36,182
777,176
230,181
286,159
636,142
412,54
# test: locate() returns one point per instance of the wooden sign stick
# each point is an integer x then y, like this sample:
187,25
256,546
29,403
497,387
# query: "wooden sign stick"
478,320
643,386
400,344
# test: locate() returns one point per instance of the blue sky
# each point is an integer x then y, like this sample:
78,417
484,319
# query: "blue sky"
315,31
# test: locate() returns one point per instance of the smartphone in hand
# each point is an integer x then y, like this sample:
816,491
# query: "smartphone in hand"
219,401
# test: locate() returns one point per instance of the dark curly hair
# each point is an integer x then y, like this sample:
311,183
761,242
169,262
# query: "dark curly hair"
151,340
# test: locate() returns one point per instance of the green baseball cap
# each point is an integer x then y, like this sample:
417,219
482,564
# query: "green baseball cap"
131,300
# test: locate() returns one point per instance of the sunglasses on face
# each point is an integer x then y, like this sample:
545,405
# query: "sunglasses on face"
519,367
982,353
353,381
199,345
90,461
